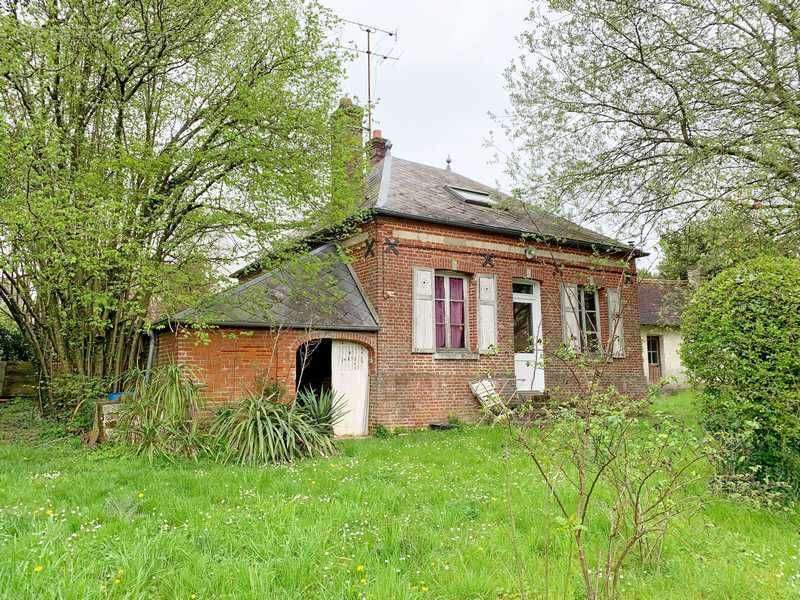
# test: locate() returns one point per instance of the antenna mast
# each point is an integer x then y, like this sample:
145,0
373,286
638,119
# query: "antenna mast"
369,30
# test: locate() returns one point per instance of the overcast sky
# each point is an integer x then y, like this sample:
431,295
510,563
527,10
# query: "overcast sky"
435,99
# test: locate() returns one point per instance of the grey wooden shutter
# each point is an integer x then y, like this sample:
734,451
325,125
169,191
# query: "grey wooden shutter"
422,319
570,317
615,323
487,312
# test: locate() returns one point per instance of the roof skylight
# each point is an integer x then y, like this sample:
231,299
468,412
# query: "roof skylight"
473,196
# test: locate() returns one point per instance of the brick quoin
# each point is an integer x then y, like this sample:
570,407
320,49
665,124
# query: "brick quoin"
410,389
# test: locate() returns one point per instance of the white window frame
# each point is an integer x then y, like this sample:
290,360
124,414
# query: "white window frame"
582,289
534,299
450,275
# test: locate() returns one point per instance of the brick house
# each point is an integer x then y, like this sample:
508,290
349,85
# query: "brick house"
447,281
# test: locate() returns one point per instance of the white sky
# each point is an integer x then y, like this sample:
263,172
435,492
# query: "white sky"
435,100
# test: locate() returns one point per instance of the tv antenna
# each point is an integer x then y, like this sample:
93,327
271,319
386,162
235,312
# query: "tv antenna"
369,30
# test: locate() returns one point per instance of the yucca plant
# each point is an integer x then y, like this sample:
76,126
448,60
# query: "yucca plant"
169,391
324,409
157,410
261,431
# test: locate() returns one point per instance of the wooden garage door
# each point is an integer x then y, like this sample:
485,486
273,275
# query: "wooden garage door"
350,380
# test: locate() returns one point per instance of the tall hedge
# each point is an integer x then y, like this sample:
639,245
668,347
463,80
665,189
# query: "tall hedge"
742,341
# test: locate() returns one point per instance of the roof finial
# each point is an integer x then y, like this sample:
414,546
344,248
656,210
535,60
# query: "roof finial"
448,161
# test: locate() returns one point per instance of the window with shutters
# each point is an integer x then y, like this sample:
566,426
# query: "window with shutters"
581,314
449,301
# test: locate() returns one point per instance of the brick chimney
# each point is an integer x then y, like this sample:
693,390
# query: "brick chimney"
378,147
347,155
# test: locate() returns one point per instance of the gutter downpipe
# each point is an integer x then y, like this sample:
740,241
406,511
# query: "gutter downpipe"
151,351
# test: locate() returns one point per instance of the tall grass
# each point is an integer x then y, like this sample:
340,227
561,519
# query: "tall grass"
418,516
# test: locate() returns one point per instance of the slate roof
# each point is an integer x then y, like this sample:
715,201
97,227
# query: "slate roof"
398,187
326,296
661,301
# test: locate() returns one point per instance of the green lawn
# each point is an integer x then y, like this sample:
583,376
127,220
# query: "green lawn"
423,515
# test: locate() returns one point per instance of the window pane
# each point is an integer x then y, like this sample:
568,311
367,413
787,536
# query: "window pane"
439,286
439,318
592,339
456,288
591,321
441,329
456,313
522,288
592,343
588,300
456,324
652,350
522,326
456,336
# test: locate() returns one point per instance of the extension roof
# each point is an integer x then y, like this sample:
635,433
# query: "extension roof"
661,301
329,298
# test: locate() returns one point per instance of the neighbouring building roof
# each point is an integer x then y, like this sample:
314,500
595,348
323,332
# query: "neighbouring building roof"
320,292
661,301
402,188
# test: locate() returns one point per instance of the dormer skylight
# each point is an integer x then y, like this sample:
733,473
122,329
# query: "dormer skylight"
473,196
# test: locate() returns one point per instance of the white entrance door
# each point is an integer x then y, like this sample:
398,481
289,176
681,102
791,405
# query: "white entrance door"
528,348
350,382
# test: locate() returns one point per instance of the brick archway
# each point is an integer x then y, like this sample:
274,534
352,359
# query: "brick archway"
365,339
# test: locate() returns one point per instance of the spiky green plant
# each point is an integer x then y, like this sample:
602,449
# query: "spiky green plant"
156,416
324,409
262,431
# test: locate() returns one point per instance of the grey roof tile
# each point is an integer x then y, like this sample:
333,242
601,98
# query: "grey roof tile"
419,191
326,296
661,301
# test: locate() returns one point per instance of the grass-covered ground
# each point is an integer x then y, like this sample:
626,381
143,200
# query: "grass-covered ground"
423,515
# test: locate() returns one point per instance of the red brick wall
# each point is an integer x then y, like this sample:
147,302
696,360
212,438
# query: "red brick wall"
166,348
408,389
415,389
229,363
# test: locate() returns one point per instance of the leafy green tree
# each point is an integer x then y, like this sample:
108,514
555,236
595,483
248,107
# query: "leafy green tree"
659,110
741,339
145,147
715,243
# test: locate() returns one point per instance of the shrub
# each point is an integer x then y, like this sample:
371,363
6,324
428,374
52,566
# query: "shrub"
12,343
324,409
156,416
742,341
614,477
261,430
71,399
382,432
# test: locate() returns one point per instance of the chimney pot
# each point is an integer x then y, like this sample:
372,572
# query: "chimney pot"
378,147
